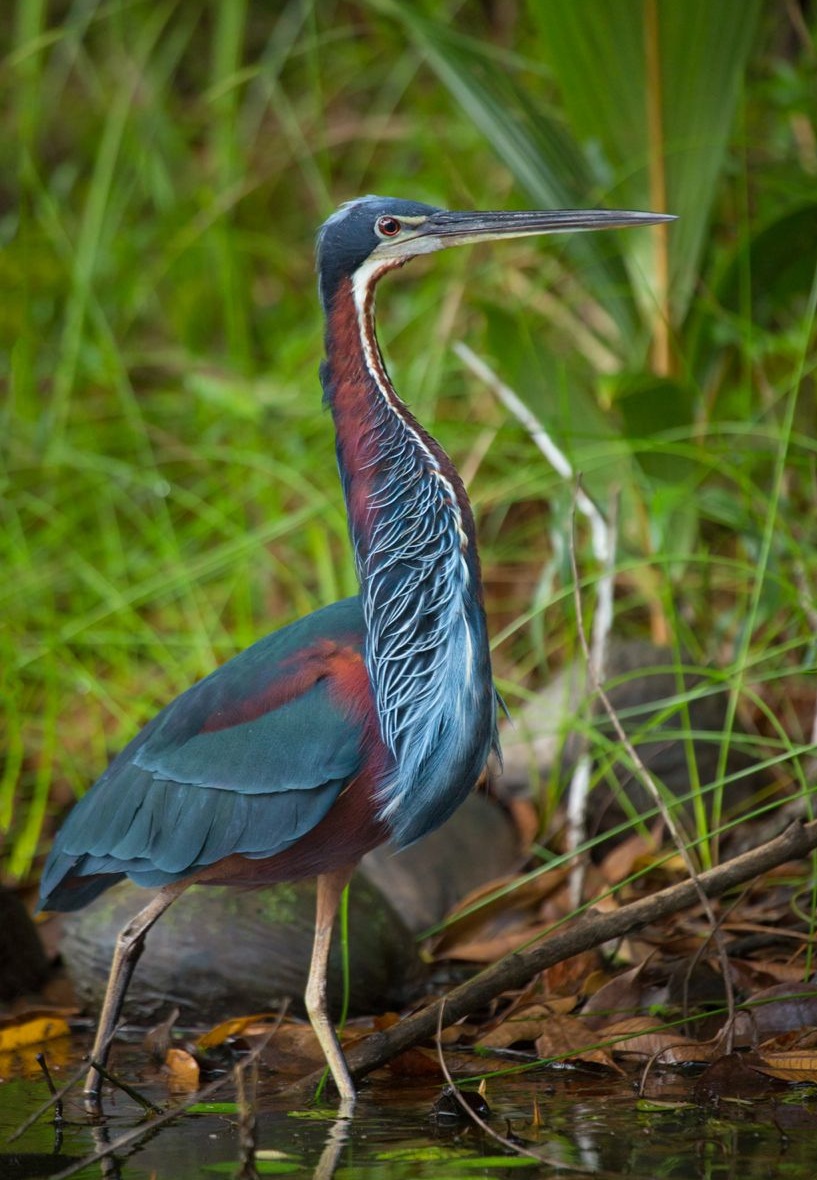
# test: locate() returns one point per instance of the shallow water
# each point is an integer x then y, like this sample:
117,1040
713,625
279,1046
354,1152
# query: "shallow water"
593,1124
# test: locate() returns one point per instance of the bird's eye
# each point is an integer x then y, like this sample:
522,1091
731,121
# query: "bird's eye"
388,227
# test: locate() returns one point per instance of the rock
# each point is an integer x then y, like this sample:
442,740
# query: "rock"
542,743
220,951
23,963
425,881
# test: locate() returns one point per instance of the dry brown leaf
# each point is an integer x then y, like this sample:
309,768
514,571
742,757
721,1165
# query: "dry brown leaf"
568,1038
620,862
655,869
524,1024
385,1020
731,1075
640,1035
294,1050
448,1036
785,1007
637,948
232,1028
798,1065
516,908
457,1032
488,950
752,976
183,1070
416,1062
569,977
596,980
525,816
622,995
801,1039
30,1030
605,904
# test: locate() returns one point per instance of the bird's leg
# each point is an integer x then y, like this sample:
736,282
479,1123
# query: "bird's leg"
330,888
130,943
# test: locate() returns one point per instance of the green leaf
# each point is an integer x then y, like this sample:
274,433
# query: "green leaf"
213,1108
655,92
781,262
427,1153
262,1167
531,140
652,408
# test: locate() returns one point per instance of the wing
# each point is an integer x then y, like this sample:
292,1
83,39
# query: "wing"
246,761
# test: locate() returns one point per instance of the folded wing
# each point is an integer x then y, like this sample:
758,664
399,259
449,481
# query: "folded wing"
247,761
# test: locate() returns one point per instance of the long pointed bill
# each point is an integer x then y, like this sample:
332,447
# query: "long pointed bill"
445,228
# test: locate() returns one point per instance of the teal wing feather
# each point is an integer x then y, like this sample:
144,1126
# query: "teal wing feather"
247,761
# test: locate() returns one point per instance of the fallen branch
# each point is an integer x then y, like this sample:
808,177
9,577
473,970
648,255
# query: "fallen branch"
591,930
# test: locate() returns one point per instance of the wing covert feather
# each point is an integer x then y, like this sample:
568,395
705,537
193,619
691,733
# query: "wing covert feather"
247,761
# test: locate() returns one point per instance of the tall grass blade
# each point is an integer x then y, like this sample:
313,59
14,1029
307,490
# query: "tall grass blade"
532,142
685,61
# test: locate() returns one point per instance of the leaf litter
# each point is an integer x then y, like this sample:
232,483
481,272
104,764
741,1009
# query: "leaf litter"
656,998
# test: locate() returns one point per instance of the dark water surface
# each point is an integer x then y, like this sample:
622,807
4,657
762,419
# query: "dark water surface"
589,1123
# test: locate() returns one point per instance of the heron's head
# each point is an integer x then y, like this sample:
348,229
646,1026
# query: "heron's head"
366,237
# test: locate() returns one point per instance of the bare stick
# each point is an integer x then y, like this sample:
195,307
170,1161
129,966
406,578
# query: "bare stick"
138,1098
52,1100
596,661
554,455
247,1120
508,1144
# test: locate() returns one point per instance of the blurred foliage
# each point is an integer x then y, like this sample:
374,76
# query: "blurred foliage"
168,485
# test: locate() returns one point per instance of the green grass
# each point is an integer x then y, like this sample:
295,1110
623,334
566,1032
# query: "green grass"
167,481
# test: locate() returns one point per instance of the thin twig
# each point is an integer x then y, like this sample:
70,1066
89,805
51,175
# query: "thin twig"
49,1102
596,660
54,1097
131,1138
509,1144
554,455
131,1092
52,1089
605,595
59,1121
247,1118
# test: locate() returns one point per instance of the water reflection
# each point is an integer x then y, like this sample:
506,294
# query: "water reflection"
335,1141
590,1124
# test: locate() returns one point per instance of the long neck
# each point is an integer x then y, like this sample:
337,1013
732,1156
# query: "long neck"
413,534
391,467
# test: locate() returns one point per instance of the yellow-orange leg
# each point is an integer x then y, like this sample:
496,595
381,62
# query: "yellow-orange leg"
130,943
330,888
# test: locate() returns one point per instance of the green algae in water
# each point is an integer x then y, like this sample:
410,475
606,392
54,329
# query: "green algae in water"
262,1167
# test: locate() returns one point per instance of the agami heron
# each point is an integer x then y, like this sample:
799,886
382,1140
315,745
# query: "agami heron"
368,720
